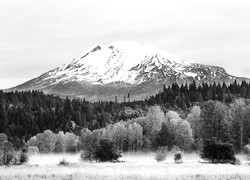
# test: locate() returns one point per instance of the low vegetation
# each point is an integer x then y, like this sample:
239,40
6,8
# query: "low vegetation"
161,154
218,152
247,150
8,156
178,157
136,166
106,150
64,162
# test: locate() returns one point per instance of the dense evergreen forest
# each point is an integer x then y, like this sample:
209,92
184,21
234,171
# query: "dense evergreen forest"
178,115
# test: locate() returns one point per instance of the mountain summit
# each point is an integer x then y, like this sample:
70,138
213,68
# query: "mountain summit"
126,62
121,68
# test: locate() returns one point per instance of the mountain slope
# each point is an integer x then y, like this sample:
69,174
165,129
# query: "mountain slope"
104,72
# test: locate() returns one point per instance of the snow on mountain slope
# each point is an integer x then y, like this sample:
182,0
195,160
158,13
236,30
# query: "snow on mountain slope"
103,72
117,62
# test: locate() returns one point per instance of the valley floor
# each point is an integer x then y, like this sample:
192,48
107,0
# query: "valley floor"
136,168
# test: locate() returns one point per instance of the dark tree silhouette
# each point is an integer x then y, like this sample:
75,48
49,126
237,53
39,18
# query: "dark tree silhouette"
106,151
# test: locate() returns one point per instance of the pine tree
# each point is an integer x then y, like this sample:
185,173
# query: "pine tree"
3,119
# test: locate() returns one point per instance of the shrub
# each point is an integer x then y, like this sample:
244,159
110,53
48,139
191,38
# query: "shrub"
200,145
177,154
32,141
23,156
8,156
64,162
14,158
237,162
106,151
218,152
33,150
178,157
175,149
8,159
59,147
11,157
247,151
86,155
161,153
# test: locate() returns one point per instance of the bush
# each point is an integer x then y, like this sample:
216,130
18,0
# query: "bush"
106,151
175,149
178,157
177,154
86,155
32,141
218,152
64,162
8,156
237,162
8,159
161,153
23,156
33,150
11,157
247,151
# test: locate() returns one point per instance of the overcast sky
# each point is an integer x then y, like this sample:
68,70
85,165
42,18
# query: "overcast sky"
39,35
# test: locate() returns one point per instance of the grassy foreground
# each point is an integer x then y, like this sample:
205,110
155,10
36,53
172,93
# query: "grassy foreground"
138,168
138,171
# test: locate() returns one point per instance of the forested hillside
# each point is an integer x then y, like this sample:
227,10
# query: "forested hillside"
176,116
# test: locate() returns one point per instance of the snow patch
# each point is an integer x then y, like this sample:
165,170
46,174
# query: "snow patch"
190,74
179,69
119,61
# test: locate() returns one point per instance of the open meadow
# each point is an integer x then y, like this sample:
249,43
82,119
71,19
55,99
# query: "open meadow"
135,166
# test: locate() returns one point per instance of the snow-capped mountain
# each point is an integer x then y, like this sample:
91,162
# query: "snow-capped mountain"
103,72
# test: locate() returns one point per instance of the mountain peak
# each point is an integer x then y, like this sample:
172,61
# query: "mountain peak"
122,67
117,62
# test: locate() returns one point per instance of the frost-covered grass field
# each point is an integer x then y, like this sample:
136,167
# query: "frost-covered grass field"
136,166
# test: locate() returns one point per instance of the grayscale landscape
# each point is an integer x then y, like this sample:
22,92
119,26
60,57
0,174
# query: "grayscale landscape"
124,90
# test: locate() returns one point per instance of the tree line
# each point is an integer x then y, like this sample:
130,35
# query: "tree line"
139,134
25,114
184,95
208,120
211,120
181,116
